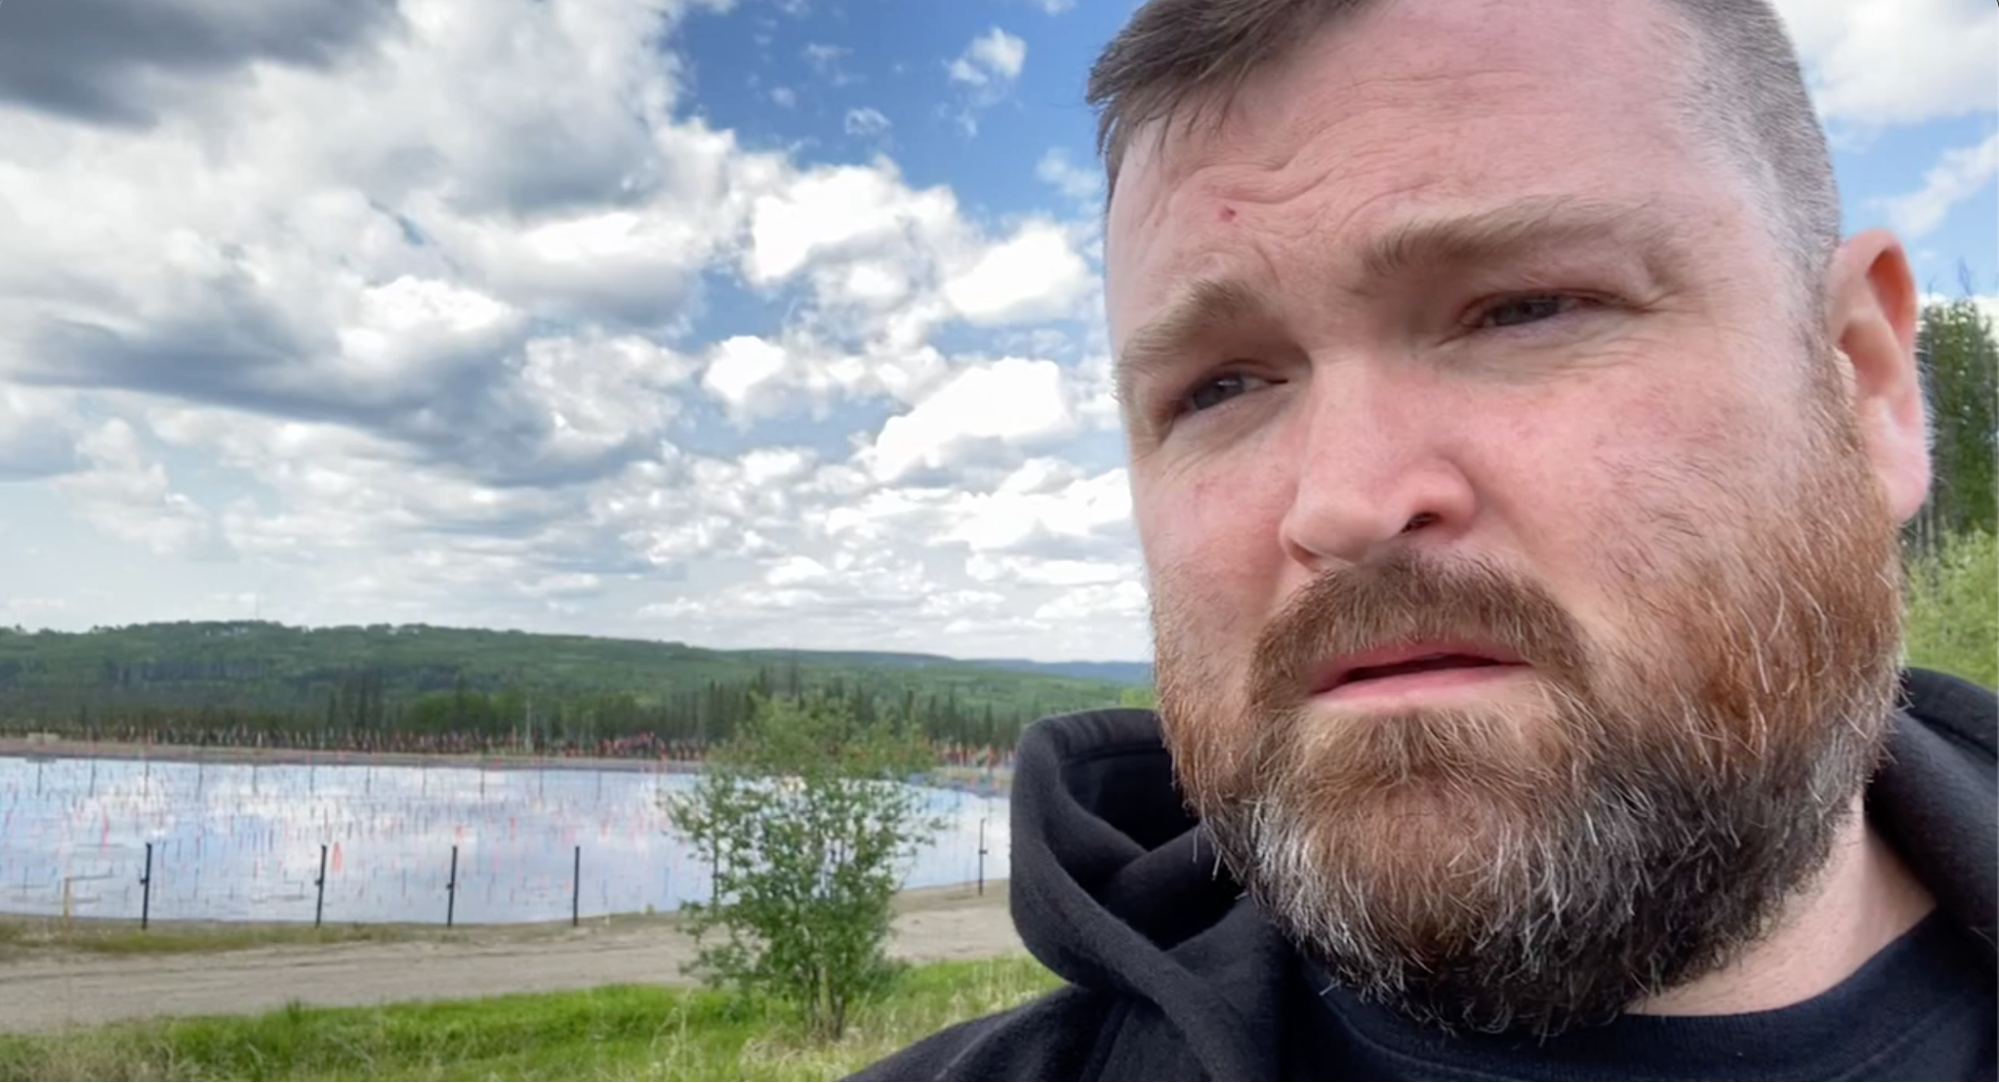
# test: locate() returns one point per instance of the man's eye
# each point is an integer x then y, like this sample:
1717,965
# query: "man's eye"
1518,311
1216,390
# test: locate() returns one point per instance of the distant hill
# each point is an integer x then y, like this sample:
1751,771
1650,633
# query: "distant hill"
276,678
1136,674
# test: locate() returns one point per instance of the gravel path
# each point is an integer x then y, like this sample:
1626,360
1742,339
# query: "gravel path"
53,989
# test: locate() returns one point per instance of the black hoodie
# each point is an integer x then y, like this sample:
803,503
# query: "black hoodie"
1173,974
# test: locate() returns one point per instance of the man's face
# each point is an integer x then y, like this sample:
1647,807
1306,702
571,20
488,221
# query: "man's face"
1525,604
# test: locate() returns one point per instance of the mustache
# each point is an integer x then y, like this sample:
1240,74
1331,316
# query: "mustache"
1412,597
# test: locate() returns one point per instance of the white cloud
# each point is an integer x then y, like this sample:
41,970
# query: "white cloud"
1053,7
1068,178
784,96
985,72
866,121
758,378
1097,602
1886,62
410,323
1031,511
1959,174
39,430
1035,275
420,333
745,372
128,494
593,394
823,211
1014,569
993,57
1012,403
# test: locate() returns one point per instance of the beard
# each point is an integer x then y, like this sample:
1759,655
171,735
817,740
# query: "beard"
1632,819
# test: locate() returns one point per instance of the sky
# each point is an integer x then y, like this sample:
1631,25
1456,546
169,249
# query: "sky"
741,323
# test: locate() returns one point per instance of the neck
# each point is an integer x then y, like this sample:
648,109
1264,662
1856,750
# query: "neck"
1864,901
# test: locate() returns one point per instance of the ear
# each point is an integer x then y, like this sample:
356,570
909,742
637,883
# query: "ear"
1872,313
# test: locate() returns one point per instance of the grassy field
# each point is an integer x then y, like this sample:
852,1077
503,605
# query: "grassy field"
1954,610
619,1032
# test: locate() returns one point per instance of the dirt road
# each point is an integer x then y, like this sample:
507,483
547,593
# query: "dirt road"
45,991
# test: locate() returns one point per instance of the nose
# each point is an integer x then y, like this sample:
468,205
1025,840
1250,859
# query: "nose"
1373,468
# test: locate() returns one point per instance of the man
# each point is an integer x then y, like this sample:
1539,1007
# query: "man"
1518,457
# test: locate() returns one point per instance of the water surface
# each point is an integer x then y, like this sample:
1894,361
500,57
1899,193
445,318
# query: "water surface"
241,842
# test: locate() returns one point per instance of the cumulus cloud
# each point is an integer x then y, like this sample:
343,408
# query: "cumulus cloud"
1011,403
39,432
1045,506
1959,174
368,249
888,263
985,73
1882,62
1034,275
385,313
106,62
994,57
128,494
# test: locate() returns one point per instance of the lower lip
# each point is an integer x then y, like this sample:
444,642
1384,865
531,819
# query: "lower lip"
1421,684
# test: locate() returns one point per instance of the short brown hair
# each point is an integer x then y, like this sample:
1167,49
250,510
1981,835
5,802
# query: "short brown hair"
1178,60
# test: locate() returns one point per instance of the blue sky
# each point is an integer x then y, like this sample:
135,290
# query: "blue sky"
750,323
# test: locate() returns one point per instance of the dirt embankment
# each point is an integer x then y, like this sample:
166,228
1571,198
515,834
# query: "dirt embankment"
51,988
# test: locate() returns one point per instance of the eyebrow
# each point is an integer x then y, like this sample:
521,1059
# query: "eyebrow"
1483,238
1493,236
1156,346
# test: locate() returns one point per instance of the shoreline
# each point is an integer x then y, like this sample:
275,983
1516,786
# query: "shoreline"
973,780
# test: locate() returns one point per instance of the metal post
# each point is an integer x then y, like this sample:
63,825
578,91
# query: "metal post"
451,890
982,855
319,908
146,890
576,891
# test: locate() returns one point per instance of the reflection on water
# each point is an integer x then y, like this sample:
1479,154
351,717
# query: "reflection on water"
241,842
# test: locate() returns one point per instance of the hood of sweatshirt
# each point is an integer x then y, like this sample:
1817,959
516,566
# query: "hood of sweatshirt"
1116,887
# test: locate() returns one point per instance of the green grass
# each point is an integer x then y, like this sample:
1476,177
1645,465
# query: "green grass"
1953,622
617,1032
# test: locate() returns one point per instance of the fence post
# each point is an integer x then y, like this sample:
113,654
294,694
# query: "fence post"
146,890
576,891
319,908
982,855
451,889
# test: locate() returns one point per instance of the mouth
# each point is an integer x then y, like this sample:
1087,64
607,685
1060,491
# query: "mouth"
1380,667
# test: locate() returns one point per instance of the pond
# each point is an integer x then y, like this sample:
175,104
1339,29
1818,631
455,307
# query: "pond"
241,841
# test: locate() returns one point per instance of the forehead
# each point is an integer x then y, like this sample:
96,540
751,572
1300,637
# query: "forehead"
1413,108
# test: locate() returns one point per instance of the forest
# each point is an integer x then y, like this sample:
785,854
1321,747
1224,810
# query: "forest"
426,688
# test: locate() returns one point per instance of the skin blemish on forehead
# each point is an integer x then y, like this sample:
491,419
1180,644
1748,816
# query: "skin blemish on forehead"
1226,214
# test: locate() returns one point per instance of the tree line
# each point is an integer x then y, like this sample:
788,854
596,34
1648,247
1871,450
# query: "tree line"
360,713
